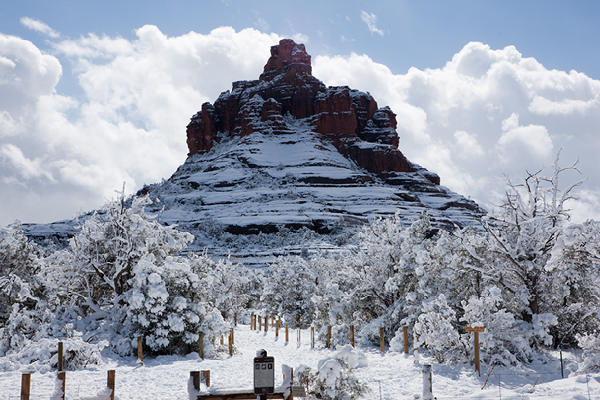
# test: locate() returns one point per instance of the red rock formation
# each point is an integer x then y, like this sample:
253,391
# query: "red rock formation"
348,117
334,112
287,55
201,131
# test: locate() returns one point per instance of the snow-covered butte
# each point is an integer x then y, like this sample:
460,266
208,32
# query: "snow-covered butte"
285,165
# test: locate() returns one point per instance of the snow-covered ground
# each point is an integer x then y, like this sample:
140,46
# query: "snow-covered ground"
389,376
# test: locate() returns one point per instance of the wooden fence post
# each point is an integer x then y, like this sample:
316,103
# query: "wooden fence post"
287,336
206,377
25,386
476,330
259,323
60,356
352,335
312,337
140,353
221,341
427,383
252,321
231,342
201,345
110,383
381,340
405,333
277,329
62,377
195,375
329,337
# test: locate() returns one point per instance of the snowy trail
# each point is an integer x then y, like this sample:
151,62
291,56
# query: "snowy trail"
390,376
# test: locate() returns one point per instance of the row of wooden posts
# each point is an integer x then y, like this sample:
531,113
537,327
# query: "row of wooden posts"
254,319
62,377
257,320
196,376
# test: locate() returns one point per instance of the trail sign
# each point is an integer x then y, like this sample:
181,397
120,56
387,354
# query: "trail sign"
476,330
264,373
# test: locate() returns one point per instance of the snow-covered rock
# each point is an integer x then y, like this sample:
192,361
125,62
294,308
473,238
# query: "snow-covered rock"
285,165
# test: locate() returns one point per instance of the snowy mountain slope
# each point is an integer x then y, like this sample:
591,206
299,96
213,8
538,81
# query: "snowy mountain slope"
265,182
285,165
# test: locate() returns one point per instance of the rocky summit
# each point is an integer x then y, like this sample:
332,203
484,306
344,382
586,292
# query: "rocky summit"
286,165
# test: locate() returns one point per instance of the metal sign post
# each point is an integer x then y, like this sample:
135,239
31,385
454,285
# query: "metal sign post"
264,374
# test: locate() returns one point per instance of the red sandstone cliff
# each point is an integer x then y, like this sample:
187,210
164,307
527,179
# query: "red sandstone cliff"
349,118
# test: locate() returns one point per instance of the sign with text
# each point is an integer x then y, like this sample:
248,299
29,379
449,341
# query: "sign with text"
264,375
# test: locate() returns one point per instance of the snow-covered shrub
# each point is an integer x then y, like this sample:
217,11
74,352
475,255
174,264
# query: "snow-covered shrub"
334,378
224,285
506,340
19,265
164,305
42,355
289,287
590,343
435,330
575,286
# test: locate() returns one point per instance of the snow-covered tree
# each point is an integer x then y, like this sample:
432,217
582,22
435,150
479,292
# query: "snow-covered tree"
590,343
123,276
224,285
111,243
289,287
522,238
19,265
165,305
22,290
435,329
574,289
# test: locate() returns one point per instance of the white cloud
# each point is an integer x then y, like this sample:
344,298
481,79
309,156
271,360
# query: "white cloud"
300,38
39,26
468,143
371,20
129,124
486,113
24,167
520,111
532,138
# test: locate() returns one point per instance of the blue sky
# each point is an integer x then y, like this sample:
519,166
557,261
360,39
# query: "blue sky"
424,34
482,89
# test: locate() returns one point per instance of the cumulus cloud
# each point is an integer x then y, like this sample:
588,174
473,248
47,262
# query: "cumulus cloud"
39,26
486,114
371,20
24,167
61,155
